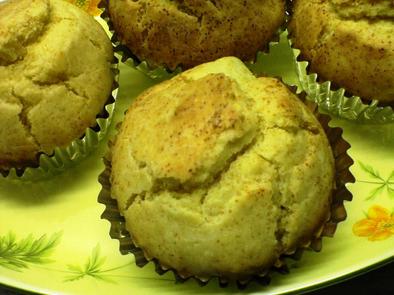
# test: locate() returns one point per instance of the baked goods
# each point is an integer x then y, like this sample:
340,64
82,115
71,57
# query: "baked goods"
219,173
350,43
188,33
55,77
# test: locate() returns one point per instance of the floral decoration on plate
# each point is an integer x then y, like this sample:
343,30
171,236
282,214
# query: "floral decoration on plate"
378,224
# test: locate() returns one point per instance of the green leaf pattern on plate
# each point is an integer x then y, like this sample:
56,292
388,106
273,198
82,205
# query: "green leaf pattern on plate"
94,268
18,254
379,183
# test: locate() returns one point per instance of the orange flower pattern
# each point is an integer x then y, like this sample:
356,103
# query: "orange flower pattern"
90,6
379,224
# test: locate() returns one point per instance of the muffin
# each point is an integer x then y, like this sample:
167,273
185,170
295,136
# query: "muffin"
350,43
188,33
219,173
55,77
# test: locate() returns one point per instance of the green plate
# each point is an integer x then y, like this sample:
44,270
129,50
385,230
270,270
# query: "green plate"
52,229
53,240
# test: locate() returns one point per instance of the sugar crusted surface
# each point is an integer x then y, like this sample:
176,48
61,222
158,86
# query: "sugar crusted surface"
188,33
52,56
350,43
245,179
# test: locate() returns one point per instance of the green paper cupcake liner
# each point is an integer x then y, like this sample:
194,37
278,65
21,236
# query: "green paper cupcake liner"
337,214
337,103
65,157
279,61
282,61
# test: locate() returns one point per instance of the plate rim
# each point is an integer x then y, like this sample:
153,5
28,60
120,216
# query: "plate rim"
30,289
340,279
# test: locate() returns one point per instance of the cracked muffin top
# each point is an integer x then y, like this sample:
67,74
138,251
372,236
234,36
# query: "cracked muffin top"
188,33
55,77
348,42
218,172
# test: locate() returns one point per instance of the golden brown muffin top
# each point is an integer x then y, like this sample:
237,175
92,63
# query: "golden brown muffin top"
207,111
373,9
219,172
350,45
54,77
188,33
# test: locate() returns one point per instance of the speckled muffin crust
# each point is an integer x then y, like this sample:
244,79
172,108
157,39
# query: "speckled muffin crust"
55,77
225,193
348,42
188,33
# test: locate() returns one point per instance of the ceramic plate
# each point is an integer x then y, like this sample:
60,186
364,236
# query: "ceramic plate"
53,240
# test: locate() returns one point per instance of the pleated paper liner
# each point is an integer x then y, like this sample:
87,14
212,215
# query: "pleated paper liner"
337,214
282,61
159,73
336,102
65,157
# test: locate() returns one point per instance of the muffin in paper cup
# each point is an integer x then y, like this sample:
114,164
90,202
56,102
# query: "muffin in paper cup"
54,107
282,61
336,102
163,38
350,48
255,191
63,158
